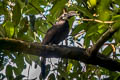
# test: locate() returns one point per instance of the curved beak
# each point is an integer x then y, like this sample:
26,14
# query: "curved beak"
72,13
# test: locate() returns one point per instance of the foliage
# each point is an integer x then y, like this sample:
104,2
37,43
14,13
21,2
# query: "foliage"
30,19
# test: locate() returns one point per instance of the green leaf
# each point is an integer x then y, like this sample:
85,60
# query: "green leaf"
104,15
20,64
103,10
116,36
91,30
79,1
23,26
2,31
0,3
69,67
71,20
116,26
21,3
20,77
114,75
107,51
42,25
102,28
16,14
51,77
2,9
92,3
33,7
39,2
78,28
104,4
9,27
30,58
117,2
17,71
34,58
57,8
100,31
86,41
116,18
84,11
9,72
29,36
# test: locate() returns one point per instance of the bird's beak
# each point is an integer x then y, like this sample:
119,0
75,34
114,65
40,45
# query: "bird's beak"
69,15
73,13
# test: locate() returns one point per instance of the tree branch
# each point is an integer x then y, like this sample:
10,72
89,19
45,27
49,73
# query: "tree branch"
99,21
50,51
107,35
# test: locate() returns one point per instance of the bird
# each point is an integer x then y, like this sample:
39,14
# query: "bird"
57,33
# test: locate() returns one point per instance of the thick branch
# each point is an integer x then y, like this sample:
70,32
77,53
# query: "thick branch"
75,53
43,50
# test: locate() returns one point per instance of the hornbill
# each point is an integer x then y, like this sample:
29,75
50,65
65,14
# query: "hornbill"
57,33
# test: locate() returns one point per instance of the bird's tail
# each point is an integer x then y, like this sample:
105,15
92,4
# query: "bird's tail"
43,67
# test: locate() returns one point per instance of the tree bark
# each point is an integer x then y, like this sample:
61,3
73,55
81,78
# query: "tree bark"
50,51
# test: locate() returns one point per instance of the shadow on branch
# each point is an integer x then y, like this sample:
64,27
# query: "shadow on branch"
50,51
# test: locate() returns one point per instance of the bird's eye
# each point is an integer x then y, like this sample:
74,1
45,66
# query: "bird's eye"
65,14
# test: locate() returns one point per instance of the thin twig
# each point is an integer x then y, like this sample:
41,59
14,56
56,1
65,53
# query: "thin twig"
79,34
113,48
99,21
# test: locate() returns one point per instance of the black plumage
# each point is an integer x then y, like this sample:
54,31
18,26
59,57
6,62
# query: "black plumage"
57,33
